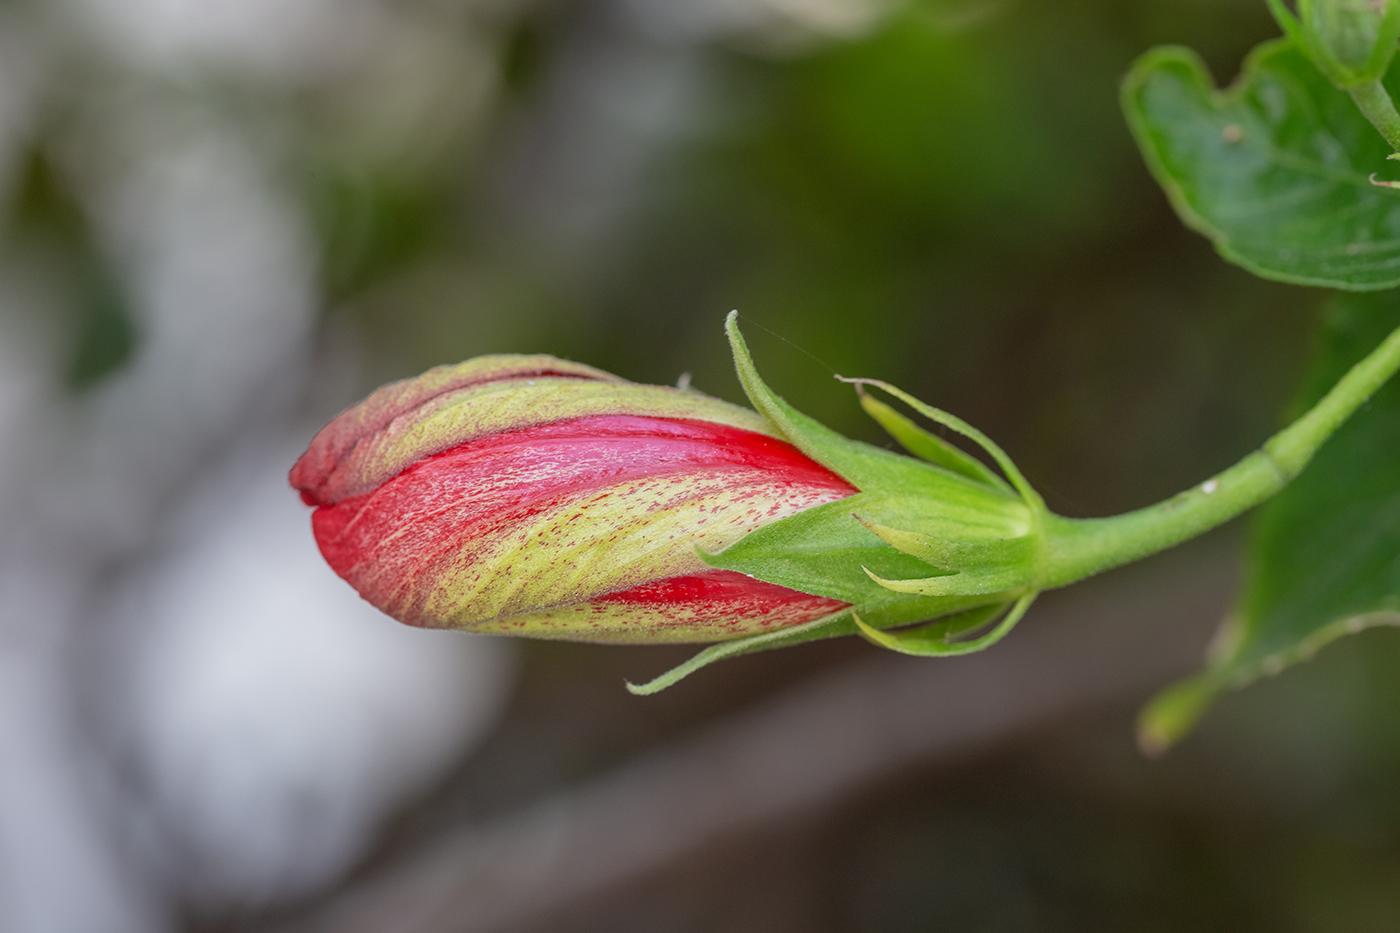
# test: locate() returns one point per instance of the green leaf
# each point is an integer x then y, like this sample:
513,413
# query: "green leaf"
1274,169
1173,713
978,582
935,640
1327,549
1324,557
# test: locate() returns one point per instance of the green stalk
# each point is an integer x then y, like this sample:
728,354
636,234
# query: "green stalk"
1375,104
1078,548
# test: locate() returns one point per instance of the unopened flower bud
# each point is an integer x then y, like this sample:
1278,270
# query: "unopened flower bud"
532,496
529,495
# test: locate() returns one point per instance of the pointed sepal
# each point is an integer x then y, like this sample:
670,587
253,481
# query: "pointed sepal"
952,554
977,582
830,627
939,416
928,446
863,465
937,639
953,618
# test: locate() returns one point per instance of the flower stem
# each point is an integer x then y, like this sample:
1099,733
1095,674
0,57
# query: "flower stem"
1375,104
1078,548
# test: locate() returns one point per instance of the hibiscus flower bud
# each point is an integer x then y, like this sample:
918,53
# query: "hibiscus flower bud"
528,495
533,496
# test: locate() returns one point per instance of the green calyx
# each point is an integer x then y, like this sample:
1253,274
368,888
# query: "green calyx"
943,538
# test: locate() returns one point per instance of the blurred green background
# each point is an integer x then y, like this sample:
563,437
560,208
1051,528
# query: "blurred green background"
950,201
941,194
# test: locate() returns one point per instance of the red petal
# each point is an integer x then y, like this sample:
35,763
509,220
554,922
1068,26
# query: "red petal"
725,595
394,543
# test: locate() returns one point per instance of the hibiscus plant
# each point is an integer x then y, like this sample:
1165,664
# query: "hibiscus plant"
534,496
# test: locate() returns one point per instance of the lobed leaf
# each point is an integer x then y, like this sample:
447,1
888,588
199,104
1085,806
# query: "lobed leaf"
1275,169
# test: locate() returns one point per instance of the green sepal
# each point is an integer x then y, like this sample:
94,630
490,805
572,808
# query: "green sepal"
827,550
977,582
824,550
939,632
832,626
953,555
935,639
899,612
939,416
929,446
863,465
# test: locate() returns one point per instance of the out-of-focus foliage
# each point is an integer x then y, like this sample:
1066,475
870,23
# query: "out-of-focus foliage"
55,239
1325,550
927,204
163,615
1278,171
1324,559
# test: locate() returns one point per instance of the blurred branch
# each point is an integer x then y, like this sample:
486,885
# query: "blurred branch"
1111,639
